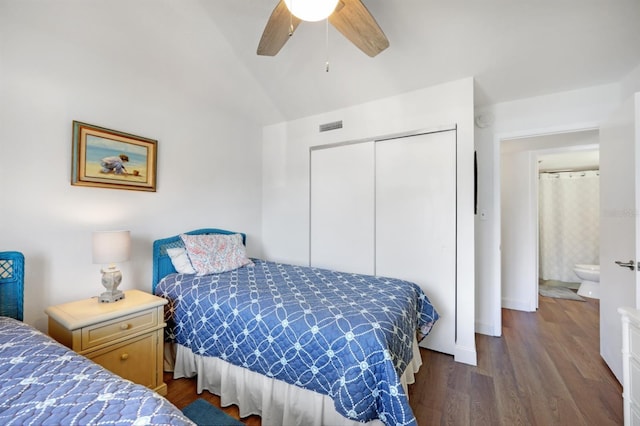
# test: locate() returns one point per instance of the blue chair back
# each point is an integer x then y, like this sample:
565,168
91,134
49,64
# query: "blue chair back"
12,284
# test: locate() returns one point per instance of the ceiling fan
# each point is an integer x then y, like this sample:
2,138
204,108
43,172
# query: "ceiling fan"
350,17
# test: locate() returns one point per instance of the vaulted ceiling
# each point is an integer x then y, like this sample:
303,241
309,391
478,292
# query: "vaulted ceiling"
203,52
513,49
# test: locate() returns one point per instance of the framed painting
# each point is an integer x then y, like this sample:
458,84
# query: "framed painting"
111,159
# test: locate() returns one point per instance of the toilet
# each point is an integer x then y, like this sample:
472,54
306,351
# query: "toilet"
589,280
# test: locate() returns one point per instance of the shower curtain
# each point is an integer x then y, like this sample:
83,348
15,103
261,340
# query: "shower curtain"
569,223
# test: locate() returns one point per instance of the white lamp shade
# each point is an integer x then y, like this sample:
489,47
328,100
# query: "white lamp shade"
111,246
311,10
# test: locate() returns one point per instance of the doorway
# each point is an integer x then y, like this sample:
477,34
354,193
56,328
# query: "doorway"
568,200
519,210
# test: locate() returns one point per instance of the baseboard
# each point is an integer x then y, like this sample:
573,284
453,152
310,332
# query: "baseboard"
487,329
465,355
518,305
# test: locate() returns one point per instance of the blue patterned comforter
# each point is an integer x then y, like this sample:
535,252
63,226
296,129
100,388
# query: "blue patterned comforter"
344,335
45,383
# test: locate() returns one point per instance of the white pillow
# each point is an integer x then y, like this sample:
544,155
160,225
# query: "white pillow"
180,260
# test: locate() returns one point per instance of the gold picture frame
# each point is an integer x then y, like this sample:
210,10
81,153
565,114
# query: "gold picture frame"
107,158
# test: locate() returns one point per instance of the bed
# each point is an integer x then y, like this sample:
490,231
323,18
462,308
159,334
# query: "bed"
43,382
296,345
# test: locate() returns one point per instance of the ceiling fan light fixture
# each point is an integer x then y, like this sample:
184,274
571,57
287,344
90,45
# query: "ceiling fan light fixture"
311,10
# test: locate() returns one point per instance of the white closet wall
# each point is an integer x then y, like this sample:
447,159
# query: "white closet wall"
389,208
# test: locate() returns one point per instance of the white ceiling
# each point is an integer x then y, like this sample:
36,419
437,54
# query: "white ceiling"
513,49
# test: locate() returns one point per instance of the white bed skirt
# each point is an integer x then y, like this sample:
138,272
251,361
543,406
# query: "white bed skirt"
277,402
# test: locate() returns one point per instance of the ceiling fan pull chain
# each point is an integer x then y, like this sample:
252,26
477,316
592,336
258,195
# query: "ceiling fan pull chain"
290,24
326,68
291,21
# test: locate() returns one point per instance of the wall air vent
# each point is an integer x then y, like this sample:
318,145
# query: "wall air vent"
331,126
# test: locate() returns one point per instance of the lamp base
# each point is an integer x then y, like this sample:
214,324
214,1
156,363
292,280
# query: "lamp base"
111,278
110,297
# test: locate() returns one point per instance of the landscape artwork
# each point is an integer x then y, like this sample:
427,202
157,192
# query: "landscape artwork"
112,159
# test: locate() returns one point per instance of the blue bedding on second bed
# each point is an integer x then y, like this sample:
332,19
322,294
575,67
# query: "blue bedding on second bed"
348,336
45,383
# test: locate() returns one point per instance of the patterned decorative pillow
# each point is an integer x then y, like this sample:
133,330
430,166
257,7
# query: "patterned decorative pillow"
180,260
215,253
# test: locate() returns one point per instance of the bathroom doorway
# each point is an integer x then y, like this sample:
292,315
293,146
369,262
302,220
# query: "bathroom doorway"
569,223
520,266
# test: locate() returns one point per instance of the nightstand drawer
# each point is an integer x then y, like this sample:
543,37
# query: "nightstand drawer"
113,330
131,359
634,342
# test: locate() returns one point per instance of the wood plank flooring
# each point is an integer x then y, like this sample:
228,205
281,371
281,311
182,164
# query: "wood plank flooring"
544,370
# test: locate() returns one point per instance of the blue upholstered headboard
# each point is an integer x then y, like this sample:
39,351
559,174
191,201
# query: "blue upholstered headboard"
162,265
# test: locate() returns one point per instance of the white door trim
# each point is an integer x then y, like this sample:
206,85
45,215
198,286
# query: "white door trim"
497,216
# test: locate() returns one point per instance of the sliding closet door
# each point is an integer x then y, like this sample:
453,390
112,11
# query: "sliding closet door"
342,208
416,222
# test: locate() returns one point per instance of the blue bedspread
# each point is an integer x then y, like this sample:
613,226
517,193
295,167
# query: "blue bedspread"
45,383
344,335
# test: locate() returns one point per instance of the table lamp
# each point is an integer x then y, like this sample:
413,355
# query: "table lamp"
109,248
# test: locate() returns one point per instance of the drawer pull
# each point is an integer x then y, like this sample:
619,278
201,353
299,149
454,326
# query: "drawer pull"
124,356
124,326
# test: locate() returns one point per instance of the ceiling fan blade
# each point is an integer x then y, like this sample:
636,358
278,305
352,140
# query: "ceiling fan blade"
355,22
277,31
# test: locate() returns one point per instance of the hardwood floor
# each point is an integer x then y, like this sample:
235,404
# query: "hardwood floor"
544,370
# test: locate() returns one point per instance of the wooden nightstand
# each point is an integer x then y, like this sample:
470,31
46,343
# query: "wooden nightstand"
125,337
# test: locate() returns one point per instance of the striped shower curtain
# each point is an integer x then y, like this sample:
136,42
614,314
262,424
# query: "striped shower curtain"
569,223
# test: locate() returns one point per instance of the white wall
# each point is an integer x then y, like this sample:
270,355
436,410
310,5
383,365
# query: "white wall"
98,63
559,112
631,83
286,176
518,265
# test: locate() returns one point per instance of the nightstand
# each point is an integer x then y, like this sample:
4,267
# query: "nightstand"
125,337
